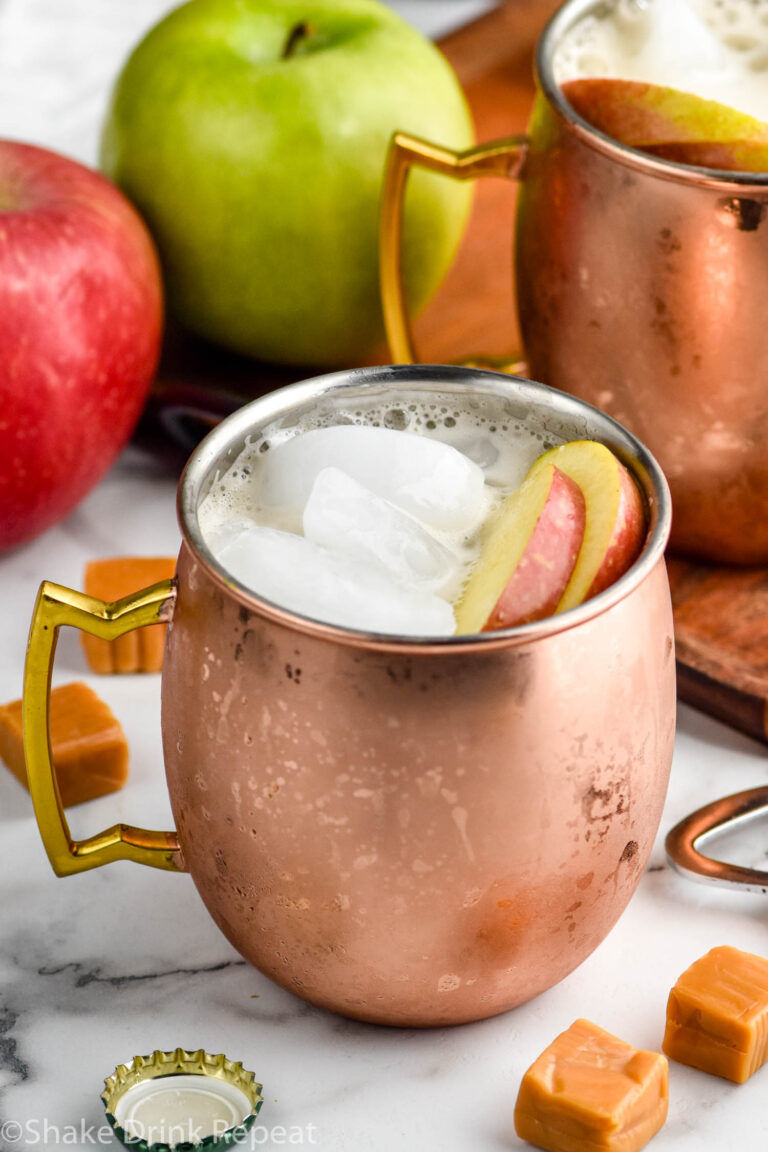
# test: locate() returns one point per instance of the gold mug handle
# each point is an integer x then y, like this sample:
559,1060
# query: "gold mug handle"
504,158
54,607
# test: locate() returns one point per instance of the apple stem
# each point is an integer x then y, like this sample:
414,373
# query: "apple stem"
298,33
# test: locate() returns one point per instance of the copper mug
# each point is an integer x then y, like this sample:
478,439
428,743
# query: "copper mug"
642,287
408,832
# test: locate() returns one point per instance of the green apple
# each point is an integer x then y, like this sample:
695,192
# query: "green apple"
671,124
252,136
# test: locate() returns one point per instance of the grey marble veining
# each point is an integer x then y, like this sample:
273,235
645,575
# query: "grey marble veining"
99,967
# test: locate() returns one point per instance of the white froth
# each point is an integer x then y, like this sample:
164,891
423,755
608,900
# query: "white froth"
717,49
376,533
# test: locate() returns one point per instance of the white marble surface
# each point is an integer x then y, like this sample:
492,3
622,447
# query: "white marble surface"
99,967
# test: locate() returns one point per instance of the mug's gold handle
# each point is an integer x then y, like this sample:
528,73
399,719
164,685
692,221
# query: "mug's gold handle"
55,606
503,158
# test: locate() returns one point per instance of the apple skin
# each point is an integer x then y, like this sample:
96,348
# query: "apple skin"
528,556
615,517
80,328
536,586
671,124
729,155
260,177
626,539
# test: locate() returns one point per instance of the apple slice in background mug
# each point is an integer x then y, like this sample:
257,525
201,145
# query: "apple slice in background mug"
730,156
671,124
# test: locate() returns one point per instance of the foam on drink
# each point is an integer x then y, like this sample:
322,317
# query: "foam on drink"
414,553
717,49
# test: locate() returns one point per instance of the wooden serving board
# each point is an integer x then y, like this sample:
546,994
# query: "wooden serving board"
721,615
721,635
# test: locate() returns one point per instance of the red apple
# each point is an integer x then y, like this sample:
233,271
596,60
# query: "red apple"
615,528
80,327
528,556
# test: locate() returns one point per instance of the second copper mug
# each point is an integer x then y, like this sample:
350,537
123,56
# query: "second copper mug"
405,831
642,287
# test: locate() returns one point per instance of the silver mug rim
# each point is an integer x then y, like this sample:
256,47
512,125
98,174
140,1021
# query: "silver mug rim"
565,17
443,378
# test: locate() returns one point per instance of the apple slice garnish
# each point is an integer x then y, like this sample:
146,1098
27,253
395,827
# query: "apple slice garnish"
528,556
615,518
664,121
731,155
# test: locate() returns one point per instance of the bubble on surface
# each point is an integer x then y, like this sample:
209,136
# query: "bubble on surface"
396,418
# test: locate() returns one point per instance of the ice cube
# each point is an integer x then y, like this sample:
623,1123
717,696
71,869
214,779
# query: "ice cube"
219,534
480,449
308,579
424,477
349,519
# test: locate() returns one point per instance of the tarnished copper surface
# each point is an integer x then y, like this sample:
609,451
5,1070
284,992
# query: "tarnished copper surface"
416,839
643,288
417,833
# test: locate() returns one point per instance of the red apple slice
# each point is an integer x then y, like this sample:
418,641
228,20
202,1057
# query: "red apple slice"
528,556
732,155
615,517
657,118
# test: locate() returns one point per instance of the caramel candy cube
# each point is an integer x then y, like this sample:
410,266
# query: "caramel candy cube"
717,1014
90,752
591,1092
111,579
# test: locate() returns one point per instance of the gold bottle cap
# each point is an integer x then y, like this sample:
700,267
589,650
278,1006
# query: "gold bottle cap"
181,1099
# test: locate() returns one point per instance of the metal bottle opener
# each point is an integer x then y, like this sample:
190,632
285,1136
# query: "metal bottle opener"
730,812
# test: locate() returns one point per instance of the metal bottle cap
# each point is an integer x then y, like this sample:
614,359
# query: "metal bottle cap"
182,1100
